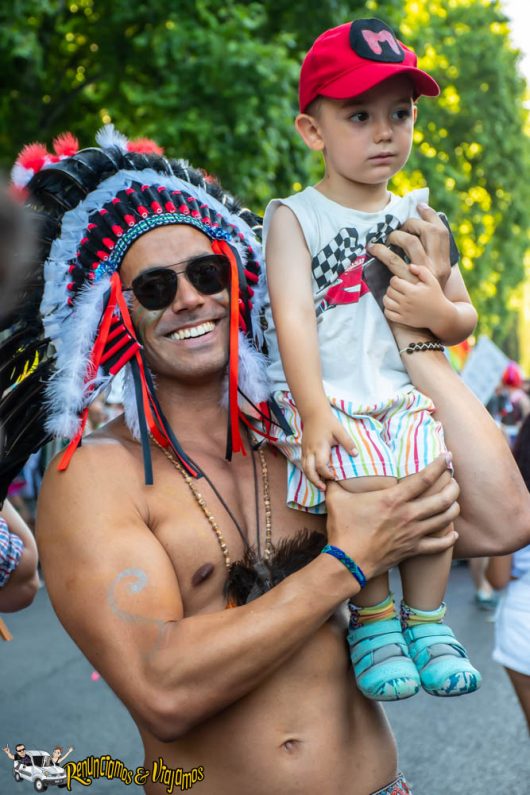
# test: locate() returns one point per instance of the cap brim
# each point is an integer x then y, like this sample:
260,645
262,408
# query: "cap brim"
358,81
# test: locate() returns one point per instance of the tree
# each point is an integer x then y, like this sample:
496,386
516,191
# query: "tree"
217,84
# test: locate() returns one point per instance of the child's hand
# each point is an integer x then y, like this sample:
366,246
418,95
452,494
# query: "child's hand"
321,432
419,305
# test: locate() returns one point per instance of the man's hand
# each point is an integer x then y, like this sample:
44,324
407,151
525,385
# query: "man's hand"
425,241
378,529
420,305
321,431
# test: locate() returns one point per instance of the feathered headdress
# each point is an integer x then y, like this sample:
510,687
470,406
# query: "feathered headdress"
73,330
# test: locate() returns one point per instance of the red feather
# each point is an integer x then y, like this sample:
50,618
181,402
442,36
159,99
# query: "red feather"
66,144
33,156
145,146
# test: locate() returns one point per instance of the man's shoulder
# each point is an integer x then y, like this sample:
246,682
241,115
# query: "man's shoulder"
104,449
105,466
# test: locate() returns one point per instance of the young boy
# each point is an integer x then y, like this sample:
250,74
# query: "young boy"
336,370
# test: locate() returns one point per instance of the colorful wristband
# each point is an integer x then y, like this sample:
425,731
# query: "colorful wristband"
345,559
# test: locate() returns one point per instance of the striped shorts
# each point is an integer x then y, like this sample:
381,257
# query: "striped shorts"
396,438
397,787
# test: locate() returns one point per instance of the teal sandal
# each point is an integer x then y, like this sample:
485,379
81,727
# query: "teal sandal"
381,661
442,662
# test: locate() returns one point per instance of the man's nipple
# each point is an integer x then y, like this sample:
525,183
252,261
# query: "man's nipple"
203,573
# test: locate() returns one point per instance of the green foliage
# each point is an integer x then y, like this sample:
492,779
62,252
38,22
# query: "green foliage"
472,148
216,83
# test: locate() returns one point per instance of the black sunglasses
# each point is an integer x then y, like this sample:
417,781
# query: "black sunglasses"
156,288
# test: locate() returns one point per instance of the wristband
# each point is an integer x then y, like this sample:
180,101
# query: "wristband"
345,559
423,346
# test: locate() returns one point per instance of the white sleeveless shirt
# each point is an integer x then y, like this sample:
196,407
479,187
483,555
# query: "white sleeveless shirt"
360,361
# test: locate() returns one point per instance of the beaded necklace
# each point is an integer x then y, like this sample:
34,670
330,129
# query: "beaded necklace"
201,502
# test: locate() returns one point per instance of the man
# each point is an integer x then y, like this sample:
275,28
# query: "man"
260,696
20,756
19,581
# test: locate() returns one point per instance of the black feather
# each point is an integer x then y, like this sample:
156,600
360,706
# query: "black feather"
252,577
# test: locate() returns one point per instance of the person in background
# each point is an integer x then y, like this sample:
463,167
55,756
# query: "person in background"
16,248
19,581
510,404
512,573
97,415
485,597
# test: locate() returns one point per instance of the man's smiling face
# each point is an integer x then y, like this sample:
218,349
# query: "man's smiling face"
188,340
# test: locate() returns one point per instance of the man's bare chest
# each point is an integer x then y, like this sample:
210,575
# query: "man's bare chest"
205,526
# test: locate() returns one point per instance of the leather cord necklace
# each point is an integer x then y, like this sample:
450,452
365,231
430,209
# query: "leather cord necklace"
261,569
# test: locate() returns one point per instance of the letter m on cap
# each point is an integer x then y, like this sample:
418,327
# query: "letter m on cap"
373,40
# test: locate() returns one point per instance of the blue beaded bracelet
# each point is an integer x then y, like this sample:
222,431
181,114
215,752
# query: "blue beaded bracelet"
345,559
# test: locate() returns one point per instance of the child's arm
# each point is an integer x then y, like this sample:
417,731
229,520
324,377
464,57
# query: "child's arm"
447,313
289,282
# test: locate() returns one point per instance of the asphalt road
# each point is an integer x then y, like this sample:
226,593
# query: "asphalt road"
49,695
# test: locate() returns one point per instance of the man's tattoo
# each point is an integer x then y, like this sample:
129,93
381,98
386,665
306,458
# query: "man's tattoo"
137,581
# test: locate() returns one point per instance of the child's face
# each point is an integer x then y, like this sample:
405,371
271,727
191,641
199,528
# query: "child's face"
368,139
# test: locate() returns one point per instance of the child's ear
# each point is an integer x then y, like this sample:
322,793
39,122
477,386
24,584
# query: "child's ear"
414,112
309,130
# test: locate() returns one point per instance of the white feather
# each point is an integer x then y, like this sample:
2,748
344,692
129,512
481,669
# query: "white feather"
66,391
130,409
20,176
252,375
108,136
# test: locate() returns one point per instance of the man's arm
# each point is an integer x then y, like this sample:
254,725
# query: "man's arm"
23,583
174,672
495,503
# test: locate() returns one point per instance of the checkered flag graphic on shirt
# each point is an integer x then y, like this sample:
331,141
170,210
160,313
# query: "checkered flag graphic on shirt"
335,257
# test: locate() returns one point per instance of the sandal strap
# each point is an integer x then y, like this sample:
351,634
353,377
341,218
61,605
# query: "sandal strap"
366,641
435,640
427,630
373,629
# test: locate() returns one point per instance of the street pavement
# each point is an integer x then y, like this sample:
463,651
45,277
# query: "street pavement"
49,695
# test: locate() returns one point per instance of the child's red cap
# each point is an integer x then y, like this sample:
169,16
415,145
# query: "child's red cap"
353,58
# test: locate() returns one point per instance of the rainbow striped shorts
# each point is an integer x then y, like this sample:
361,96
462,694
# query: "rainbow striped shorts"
397,787
396,438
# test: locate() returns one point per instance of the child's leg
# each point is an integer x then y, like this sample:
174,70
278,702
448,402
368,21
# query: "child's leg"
424,578
442,661
381,661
